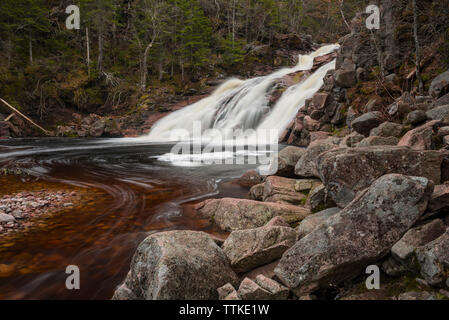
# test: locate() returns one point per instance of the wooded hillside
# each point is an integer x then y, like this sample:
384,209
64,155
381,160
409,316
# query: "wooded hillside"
126,49
131,54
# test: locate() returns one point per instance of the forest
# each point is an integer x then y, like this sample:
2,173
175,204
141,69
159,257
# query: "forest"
125,48
128,55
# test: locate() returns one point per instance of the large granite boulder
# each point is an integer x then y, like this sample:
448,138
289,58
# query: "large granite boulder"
282,190
416,117
440,102
421,137
351,140
387,129
306,166
262,288
440,198
439,113
256,192
403,251
345,172
366,122
319,199
314,220
345,78
286,160
359,235
249,179
231,214
433,259
440,85
177,265
251,248
377,141
228,292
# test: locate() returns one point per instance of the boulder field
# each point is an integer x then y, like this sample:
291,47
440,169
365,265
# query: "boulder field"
354,189
380,205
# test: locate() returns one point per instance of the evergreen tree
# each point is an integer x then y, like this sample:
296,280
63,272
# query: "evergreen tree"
194,35
21,22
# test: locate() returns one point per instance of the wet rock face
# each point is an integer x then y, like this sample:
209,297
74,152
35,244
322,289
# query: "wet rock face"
345,172
359,235
249,179
240,214
321,109
177,265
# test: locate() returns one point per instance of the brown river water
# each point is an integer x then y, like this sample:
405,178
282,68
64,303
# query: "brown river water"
127,194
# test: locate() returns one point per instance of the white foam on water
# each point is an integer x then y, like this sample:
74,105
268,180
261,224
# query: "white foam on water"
240,106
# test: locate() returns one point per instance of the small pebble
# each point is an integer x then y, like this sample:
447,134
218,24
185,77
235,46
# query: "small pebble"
6,218
26,205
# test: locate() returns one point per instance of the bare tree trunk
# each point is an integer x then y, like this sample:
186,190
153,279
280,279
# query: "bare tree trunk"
31,49
182,68
9,50
379,54
387,34
161,69
143,81
340,6
248,13
417,48
100,51
88,51
233,24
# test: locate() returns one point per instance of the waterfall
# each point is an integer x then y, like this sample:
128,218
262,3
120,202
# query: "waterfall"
242,105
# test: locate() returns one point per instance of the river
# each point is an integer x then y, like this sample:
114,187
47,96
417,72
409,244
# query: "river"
127,194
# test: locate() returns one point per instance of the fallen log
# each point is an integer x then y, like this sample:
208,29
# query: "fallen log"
25,117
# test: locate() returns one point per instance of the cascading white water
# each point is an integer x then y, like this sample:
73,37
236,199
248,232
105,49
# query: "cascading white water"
293,99
238,104
234,108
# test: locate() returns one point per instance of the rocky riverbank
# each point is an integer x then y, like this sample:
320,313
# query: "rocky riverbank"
303,237
361,185
17,210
